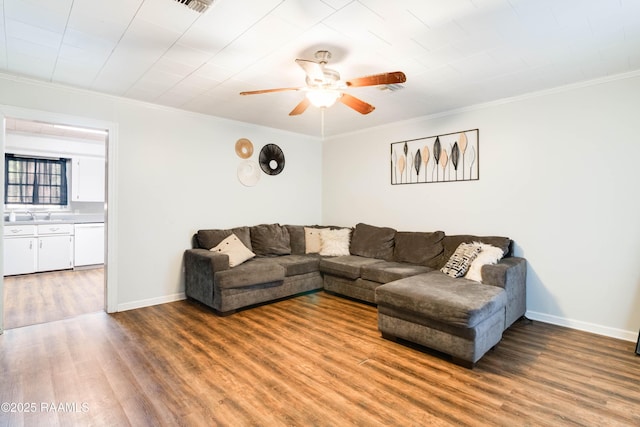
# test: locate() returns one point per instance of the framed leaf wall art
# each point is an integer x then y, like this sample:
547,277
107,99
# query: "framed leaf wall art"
441,158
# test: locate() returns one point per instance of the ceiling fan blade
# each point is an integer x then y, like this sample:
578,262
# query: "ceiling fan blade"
357,104
378,79
280,89
301,107
312,69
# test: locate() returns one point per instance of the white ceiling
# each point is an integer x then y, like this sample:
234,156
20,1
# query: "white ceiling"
455,53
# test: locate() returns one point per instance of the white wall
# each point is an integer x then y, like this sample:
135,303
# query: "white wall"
39,145
177,173
557,174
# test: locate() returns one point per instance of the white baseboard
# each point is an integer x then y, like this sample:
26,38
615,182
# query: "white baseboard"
151,301
584,326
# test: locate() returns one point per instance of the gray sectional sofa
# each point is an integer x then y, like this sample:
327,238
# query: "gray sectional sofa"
397,271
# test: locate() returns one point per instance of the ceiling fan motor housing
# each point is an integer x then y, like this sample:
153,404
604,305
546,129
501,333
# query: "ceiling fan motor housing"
330,78
323,56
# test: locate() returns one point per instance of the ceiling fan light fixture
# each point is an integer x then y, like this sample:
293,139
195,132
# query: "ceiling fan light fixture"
323,98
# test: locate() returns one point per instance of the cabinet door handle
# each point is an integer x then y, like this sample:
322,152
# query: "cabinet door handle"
14,231
40,244
31,245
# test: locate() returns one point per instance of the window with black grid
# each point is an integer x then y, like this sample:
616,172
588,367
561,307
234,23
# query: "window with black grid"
35,181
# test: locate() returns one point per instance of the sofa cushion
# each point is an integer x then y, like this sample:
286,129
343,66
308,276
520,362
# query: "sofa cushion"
298,264
250,273
207,239
461,259
234,249
270,240
457,302
335,242
388,271
347,266
420,248
296,238
373,242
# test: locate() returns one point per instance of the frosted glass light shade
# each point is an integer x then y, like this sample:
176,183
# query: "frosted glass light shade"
323,98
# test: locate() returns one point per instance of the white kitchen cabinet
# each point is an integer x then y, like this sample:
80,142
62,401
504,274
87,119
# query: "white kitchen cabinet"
55,252
89,244
55,247
20,255
87,179
31,248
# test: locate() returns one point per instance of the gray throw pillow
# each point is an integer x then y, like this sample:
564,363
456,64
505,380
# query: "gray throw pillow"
270,240
372,242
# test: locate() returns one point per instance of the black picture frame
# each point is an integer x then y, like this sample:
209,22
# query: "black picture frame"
638,345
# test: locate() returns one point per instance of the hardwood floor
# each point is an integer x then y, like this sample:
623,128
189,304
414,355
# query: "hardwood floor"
315,360
56,295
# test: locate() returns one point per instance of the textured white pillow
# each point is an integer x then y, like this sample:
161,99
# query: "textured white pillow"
235,249
312,240
335,242
488,255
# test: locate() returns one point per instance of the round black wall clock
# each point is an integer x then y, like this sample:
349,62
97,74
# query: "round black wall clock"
271,159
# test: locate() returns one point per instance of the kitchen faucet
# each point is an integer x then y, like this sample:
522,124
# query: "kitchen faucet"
33,215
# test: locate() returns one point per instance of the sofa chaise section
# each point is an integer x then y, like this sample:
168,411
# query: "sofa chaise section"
456,316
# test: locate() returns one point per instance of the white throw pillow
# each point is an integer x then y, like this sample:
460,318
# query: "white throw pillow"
488,255
461,259
235,249
312,240
335,242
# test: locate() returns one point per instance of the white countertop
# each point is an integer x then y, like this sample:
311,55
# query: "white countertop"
57,218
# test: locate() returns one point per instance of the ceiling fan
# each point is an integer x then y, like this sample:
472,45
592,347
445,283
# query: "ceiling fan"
324,86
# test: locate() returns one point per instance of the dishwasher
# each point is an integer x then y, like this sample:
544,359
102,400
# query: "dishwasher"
89,244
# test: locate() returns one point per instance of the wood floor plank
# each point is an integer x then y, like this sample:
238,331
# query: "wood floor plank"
45,297
316,359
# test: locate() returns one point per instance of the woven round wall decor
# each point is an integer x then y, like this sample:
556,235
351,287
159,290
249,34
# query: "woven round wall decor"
244,148
248,173
271,159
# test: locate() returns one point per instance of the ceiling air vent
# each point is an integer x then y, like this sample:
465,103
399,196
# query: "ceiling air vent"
197,5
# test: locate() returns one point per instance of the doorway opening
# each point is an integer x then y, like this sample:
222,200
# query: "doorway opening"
51,291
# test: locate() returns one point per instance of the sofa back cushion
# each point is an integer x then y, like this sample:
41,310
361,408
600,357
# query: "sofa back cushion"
373,242
421,248
296,239
270,240
208,239
451,243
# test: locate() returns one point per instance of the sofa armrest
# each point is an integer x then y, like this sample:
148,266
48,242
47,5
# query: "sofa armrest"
510,274
218,261
199,267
